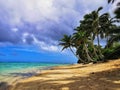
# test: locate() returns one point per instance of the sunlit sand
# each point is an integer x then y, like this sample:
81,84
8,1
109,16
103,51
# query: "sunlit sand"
103,76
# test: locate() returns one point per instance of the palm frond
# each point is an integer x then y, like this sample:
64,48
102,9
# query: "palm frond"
100,8
111,1
114,38
117,12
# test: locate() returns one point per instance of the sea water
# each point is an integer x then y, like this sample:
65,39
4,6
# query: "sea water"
12,72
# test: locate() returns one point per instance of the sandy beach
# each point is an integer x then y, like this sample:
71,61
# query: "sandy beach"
103,76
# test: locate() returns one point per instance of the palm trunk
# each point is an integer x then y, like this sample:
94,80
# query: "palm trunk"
88,56
72,51
94,50
101,56
107,41
98,40
76,55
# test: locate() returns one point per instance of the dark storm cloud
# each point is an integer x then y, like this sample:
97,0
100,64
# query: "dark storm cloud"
41,21
29,39
6,35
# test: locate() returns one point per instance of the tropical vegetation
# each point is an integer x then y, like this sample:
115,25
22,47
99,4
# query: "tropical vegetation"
86,43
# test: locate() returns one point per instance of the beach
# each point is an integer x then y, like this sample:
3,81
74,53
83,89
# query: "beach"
13,72
59,45
103,76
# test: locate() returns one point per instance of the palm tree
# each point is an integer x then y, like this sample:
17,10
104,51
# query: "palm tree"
90,24
87,26
97,31
81,40
66,42
115,36
93,26
96,24
106,24
117,11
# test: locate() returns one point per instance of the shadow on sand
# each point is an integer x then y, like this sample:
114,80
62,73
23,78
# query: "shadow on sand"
4,86
27,74
105,80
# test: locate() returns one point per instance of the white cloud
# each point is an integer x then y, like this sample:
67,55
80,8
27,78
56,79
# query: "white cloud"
24,37
40,10
44,21
14,29
49,48
44,46
29,10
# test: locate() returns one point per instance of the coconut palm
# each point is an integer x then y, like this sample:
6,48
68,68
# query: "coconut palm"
97,31
81,42
87,25
66,42
91,27
115,36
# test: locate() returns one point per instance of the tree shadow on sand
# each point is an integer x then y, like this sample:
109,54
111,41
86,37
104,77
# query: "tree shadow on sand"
27,74
105,80
63,68
4,86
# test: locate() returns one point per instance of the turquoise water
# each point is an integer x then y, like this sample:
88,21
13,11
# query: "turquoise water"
11,72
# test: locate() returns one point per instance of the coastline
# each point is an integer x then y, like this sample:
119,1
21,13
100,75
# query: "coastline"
11,73
103,76
12,81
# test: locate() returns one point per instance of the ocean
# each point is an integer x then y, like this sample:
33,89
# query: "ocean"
13,72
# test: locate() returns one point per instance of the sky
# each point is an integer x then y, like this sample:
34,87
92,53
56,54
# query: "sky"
30,30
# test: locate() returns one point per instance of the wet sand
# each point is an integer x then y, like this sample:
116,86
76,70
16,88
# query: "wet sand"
103,76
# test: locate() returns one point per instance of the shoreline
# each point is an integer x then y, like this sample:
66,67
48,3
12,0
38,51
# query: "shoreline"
75,77
13,77
103,76
6,85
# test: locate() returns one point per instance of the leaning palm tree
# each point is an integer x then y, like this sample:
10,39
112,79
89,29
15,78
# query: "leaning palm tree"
81,42
95,24
66,42
90,34
97,31
90,27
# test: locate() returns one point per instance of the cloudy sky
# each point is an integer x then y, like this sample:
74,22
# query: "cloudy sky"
31,29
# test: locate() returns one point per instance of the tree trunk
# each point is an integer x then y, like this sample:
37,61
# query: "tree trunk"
72,51
79,59
94,49
88,56
98,40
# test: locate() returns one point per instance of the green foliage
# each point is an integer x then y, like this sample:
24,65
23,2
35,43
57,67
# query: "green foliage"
117,12
66,42
94,26
113,52
107,52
